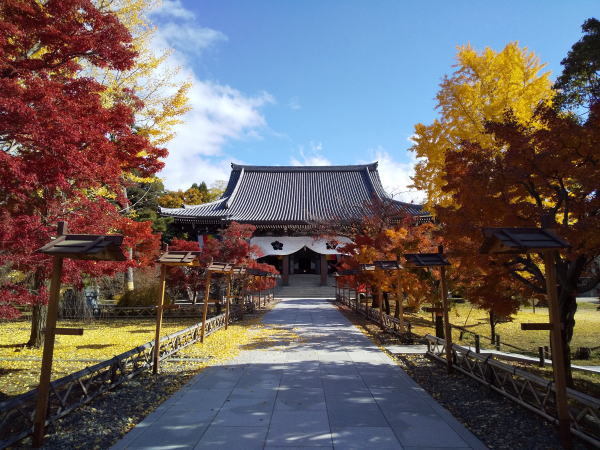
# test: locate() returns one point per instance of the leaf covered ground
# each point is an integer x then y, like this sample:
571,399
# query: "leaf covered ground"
102,422
586,334
103,339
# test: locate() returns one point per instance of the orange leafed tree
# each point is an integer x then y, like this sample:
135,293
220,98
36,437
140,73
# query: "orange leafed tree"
544,175
385,233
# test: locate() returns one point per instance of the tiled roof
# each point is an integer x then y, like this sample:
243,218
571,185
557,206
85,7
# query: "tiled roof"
292,195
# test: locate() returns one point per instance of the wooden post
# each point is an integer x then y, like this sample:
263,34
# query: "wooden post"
541,353
285,272
380,301
477,344
558,361
228,295
324,268
258,293
497,343
41,410
447,326
399,304
160,301
205,307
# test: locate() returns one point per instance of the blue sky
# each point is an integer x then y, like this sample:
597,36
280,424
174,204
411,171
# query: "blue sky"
332,82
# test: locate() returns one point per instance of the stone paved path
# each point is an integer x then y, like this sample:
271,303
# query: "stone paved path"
332,389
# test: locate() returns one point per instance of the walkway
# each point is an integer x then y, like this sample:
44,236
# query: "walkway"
332,389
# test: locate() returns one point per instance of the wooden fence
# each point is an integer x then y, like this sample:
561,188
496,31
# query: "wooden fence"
528,390
390,323
70,392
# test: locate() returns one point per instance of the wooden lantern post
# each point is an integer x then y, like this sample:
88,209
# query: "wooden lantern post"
41,410
437,260
227,300
205,305
71,246
171,258
159,315
540,240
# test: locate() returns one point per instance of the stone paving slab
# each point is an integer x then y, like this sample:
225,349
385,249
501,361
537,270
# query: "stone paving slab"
332,389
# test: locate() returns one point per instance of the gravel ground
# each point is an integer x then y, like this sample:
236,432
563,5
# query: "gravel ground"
107,418
497,421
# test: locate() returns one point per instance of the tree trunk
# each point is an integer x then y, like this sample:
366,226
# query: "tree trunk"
397,309
569,275
374,298
568,307
386,303
38,325
493,326
439,324
38,316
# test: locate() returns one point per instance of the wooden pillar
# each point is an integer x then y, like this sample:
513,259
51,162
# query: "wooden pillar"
447,327
380,301
41,410
323,270
205,308
259,290
399,303
227,300
558,359
285,271
160,301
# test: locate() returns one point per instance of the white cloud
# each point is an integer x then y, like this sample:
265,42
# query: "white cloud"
189,38
395,176
294,104
173,9
310,157
219,113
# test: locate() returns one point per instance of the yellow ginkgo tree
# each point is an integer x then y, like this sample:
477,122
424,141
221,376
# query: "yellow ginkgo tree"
484,86
152,79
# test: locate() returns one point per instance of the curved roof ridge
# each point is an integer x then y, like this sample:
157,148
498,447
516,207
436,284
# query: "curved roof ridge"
331,168
201,204
229,199
188,207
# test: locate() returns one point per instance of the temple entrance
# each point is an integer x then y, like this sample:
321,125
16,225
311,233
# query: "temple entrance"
305,261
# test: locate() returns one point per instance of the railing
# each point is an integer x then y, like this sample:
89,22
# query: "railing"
129,312
533,392
70,392
390,323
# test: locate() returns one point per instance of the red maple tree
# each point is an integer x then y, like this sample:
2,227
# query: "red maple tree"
232,246
63,152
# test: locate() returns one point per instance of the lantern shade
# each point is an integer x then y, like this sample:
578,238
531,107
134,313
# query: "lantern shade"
425,259
180,258
92,247
388,265
238,270
520,240
220,267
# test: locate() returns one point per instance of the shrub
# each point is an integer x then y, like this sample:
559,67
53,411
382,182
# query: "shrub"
143,296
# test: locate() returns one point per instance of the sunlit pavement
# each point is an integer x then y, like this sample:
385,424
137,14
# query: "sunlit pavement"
329,387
